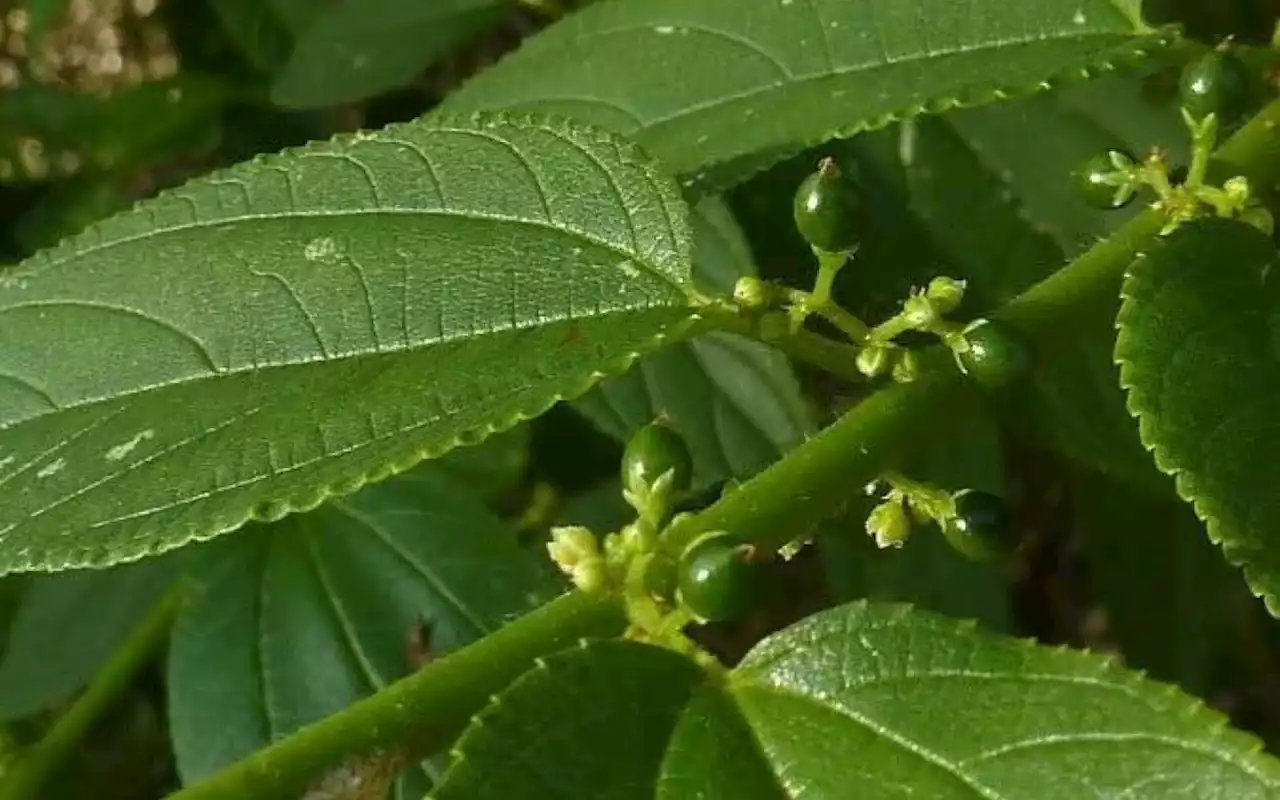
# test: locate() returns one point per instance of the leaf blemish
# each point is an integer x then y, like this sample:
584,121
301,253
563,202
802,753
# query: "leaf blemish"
322,249
7,460
52,468
1079,18
125,448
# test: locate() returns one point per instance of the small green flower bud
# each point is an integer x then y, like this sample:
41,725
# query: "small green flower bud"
752,293
1237,190
571,545
576,552
945,294
888,524
919,311
873,360
907,367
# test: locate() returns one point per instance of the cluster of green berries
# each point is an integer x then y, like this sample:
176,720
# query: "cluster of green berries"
977,524
1218,83
716,578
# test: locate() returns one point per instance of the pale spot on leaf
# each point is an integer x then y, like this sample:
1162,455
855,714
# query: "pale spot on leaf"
52,468
125,448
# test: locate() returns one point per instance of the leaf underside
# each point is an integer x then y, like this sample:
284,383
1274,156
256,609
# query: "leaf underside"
263,338
866,701
301,618
719,89
1199,359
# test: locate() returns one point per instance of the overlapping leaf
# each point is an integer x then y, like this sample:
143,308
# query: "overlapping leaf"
359,48
735,402
868,701
301,618
1198,355
717,88
273,334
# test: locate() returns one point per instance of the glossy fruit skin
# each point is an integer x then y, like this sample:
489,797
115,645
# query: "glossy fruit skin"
717,580
997,354
983,527
828,210
1218,83
652,451
1089,181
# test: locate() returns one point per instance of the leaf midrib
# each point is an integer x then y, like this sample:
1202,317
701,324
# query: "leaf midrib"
672,332
55,262
437,584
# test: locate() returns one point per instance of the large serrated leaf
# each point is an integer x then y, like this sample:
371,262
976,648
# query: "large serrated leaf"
359,48
710,82
301,618
875,702
1174,607
1199,358
66,625
286,330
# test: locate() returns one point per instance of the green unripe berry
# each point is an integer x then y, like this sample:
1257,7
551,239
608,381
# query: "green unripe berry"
1095,180
982,528
828,211
994,353
717,578
654,450
660,578
1218,83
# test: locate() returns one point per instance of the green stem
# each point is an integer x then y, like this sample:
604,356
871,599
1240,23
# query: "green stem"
801,489
804,346
27,777
428,708
431,706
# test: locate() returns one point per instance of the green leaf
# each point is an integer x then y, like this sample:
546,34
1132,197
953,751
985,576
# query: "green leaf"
714,82
301,618
331,315
359,48
66,625
950,712
868,701
736,402
265,30
492,467
1197,350
1174,607
596,718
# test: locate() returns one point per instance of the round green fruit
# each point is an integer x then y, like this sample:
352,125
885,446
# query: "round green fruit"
982,528
717,579
995,353
1092,176
1217,83
654,450
829,212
